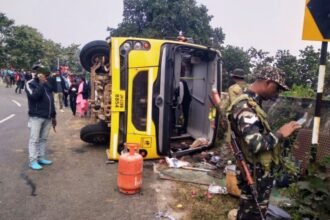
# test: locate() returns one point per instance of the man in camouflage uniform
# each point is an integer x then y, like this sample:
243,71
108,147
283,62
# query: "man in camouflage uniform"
256,140
236,89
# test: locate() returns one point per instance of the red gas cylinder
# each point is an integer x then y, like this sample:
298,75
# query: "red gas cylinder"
130,167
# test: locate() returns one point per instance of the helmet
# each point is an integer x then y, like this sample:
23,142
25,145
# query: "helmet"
238,73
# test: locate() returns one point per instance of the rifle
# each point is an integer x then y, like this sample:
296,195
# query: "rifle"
245,170
215,100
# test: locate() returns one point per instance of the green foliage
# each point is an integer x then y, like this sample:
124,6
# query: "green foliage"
164,19
24,47
308,65
289,64
6,26
70,57
312,196
259,58
302,91
234,57
325,162
218,37
280,112
21,46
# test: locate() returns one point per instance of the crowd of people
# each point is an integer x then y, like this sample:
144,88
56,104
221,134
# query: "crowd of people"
68,89
47,92
15,77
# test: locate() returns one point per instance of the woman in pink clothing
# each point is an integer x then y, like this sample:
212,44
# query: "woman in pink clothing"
82,98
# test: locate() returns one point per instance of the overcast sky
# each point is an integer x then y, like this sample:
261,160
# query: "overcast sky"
264,24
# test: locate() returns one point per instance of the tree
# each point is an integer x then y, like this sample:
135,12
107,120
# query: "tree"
165,18
71,57
52,52
6,26
217,37
21,46
234,57
308,65
259,58
289,64
24,47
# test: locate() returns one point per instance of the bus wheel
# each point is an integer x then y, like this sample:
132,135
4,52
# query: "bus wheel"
92,51
98,133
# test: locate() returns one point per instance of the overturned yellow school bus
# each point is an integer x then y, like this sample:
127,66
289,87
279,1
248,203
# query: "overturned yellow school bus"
158,95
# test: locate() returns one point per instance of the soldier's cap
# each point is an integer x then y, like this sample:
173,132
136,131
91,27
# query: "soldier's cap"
40,68
238,73
273,74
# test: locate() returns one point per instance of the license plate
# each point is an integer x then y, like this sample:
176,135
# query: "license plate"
118,101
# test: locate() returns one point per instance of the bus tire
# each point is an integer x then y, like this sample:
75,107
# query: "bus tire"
98,133
92,50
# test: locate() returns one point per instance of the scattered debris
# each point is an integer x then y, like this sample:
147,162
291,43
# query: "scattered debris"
179,206
232,215
175,163
161,215
110,162
230,167
199,142
215,159
214,189
231,180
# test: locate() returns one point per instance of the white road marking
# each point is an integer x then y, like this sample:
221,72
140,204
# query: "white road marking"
5,119
16,102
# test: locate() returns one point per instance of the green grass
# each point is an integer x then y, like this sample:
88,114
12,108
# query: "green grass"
194,199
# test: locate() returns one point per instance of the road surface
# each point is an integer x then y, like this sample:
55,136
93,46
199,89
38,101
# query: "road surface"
79,185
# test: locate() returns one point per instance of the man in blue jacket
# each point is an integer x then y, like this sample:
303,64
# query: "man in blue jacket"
42,116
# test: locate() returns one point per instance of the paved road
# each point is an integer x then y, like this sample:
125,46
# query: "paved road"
79,185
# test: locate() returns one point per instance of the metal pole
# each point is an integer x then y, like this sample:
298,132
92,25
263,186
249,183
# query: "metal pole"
318,102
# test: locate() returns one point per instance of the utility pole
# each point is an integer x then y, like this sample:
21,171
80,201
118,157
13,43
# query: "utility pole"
316,27
318,102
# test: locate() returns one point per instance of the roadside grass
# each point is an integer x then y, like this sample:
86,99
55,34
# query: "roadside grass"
194,200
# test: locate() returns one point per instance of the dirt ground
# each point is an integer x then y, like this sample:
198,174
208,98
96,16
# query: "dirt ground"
79,184
163,191
182,201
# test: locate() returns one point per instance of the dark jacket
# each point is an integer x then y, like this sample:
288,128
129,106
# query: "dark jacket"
73,90
52,82
40,99
85,92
